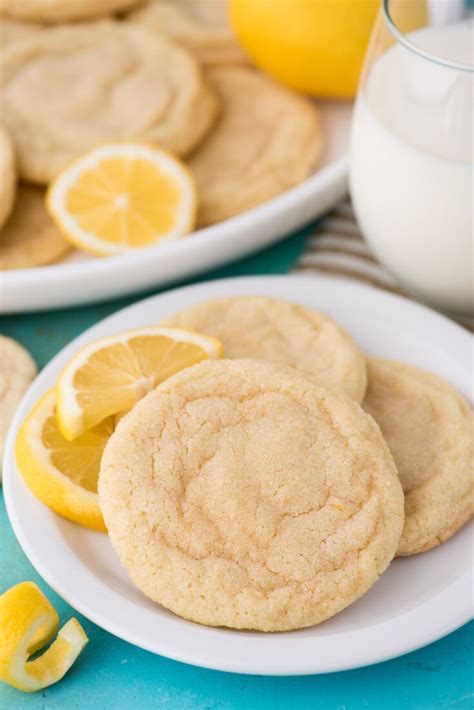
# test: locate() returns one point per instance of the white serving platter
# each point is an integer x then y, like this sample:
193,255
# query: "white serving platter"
418,600
84,279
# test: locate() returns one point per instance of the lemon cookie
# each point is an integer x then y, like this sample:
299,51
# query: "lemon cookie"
202,26
285,333
30,237
123,82
241,494
12,31
7,175
63,10
429,429
267,140
17,370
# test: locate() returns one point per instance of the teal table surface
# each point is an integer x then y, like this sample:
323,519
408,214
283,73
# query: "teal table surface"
113,675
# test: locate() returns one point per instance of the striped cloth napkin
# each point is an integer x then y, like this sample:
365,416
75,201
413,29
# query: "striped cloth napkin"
336,247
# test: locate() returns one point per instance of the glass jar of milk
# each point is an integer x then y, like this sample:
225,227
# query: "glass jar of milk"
411,165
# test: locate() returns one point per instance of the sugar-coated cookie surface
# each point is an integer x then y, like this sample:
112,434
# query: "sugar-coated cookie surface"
266,140
7,175
30,237
239,493
202,26
17,370
429,429
282,332
124,82
63,10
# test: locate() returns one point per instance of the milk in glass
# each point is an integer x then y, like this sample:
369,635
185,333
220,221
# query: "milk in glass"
411,172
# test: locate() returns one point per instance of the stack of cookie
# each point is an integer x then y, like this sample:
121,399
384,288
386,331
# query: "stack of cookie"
271,489
168,74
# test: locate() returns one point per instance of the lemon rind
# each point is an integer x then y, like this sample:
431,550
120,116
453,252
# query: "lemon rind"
57,194
49,485
69,412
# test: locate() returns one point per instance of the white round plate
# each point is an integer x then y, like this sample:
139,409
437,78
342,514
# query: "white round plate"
85,279
418,599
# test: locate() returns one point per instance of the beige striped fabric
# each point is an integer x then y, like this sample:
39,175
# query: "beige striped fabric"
336,247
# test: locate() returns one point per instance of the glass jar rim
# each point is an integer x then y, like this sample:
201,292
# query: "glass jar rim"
403,39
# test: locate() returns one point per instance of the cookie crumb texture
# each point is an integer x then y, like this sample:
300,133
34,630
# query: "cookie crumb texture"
240,494
284,333
429,429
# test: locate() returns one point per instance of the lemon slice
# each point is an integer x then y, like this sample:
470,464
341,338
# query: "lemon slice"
61,473
110,375
123,196
28,622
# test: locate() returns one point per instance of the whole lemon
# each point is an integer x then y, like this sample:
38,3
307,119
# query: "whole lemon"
314,46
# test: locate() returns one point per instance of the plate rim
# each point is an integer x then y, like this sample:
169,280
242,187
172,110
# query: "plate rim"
208,236
457,618
87,281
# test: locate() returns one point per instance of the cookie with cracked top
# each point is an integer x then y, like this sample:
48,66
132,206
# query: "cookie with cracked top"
241,494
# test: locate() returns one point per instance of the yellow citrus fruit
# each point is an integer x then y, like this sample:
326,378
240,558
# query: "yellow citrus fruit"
110,375
28,622
123,196
61,473
314,46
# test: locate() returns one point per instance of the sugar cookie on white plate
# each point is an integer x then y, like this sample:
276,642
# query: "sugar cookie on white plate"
123,81
267,140
429,429
284,333
239,493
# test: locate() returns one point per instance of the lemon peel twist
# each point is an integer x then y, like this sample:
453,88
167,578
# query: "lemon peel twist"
28,622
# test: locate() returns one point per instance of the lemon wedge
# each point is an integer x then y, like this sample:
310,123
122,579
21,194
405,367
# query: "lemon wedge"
123,196
110,375
28,622
61,473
